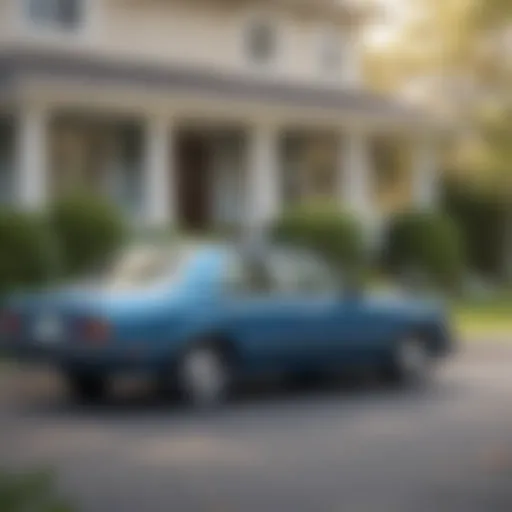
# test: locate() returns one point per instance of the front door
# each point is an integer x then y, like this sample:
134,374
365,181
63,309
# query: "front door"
193,180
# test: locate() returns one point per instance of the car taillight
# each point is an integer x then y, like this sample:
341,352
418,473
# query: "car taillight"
94,330
9,322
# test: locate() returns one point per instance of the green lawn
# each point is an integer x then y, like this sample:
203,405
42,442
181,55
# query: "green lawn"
491,318
482,319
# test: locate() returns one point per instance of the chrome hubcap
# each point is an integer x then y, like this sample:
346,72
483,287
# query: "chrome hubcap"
203,376
413,358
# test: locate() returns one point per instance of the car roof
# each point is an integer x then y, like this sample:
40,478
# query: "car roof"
247,249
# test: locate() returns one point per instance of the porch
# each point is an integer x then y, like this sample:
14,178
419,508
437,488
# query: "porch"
203,172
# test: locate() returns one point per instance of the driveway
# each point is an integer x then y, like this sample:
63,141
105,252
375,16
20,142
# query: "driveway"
346,448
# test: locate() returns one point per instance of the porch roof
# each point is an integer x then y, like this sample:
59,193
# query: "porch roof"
17,67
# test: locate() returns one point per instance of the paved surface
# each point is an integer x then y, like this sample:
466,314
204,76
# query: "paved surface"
363,448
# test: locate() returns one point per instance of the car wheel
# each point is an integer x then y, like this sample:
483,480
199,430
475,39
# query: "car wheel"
204,376
412,361
86,387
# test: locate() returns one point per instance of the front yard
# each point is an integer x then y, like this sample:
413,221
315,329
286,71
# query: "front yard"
476,320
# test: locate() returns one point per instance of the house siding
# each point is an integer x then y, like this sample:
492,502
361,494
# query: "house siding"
6,15
196,34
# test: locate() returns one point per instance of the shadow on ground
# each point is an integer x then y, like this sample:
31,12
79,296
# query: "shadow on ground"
138,398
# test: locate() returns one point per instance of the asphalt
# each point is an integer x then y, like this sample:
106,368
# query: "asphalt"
343,447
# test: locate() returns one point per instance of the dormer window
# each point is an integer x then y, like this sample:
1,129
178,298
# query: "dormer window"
60,14
261,40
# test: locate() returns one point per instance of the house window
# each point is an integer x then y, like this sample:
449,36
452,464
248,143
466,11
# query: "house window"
7,143
261,41
64,14
331,50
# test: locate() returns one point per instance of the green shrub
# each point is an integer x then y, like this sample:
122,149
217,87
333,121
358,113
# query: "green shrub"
89,230
482,217
26,251
427,244
335,235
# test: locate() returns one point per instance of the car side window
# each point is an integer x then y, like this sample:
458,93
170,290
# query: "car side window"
316,277
284,272
246,277
300,274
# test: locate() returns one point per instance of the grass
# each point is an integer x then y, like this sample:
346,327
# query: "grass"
480,320
486,318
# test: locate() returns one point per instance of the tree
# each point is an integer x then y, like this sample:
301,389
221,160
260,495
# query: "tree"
464,42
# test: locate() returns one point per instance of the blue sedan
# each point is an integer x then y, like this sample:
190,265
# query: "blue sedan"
200,317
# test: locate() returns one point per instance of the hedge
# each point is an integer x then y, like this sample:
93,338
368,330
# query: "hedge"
482,218
337,236
28,256
88,229
427,245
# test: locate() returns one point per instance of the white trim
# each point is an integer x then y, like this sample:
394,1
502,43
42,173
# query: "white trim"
227,186
263,182
355,178
159,171
425,173
32,155
72,93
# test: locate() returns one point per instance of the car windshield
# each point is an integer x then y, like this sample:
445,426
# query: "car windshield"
145,266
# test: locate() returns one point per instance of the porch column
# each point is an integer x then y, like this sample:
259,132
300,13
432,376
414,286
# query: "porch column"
425,185
159,173
355,175
31,181
263,201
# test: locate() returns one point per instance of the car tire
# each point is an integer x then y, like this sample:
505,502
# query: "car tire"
204,376
86,387
411,362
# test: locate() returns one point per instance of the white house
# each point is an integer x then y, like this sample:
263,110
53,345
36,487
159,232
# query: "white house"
199,113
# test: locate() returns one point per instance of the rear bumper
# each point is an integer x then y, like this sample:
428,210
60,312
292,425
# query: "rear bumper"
25,352
106,359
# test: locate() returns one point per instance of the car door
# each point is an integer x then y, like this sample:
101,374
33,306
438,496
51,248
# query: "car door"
350,330
264,313
317,308
332,326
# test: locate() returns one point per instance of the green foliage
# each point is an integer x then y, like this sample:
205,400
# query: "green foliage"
30,492
27,254
89,231
427,244
336,236
493,13
482,217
